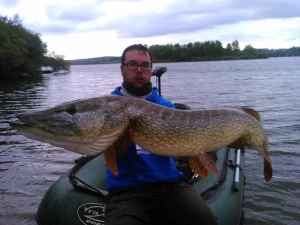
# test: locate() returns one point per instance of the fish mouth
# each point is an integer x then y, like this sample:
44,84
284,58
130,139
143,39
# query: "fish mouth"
29,131
48,125
70,143
84,146
30,128
23,122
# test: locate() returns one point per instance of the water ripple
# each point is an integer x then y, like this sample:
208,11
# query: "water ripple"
28,168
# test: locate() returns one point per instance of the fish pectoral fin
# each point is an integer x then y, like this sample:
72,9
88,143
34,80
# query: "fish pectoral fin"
111,160
197,166
125,140
268,172
118,149
208,162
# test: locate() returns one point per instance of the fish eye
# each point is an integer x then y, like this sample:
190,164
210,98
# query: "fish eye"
71,109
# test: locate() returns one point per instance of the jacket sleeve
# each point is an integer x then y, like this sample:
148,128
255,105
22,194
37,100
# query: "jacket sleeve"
164,102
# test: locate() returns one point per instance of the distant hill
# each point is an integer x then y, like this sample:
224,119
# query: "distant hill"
98,60
283,52
294,51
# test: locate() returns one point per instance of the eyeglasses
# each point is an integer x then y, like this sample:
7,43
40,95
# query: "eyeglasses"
133,65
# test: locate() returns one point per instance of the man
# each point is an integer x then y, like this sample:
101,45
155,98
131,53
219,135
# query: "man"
148,188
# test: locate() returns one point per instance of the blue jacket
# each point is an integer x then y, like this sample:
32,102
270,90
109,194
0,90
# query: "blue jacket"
138,166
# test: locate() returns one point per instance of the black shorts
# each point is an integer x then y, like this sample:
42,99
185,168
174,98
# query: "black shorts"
159,203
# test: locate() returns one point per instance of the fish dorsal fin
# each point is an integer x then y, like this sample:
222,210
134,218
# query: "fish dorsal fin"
252,112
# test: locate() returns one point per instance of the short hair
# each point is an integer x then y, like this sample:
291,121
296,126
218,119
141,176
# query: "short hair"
140,47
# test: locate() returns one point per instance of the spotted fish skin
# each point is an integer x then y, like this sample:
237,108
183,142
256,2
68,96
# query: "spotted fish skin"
91,126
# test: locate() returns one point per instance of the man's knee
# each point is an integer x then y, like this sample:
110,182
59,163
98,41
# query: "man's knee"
206,219
124,219
123,211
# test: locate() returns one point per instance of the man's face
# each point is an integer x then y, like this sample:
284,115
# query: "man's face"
138,77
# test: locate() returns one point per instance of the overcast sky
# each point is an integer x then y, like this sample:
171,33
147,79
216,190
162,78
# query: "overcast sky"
86,28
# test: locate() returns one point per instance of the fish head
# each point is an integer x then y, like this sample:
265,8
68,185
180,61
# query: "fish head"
83,126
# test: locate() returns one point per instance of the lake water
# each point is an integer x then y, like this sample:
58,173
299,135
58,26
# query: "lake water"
271,86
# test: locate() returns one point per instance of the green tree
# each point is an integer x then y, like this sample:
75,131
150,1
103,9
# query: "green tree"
200,51
228,49
249,50
176,53
219,50
56,62
21,50
235,47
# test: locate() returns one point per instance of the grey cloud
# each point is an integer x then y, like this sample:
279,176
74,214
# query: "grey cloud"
9,3
67,20
52,28
80,13
191,16
180,17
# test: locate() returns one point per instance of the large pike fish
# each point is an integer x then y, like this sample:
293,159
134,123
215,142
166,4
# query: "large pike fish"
100,125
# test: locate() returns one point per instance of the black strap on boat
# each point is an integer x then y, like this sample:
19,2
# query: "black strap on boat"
211,190
79,183
233,165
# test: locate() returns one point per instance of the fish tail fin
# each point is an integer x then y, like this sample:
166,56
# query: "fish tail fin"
263,153
268,172
266,148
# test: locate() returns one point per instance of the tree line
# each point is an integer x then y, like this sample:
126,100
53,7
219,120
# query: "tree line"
293,51
22,52
97,60
203,51
198,51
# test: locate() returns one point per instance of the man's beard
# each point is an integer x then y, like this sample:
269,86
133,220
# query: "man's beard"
137,91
